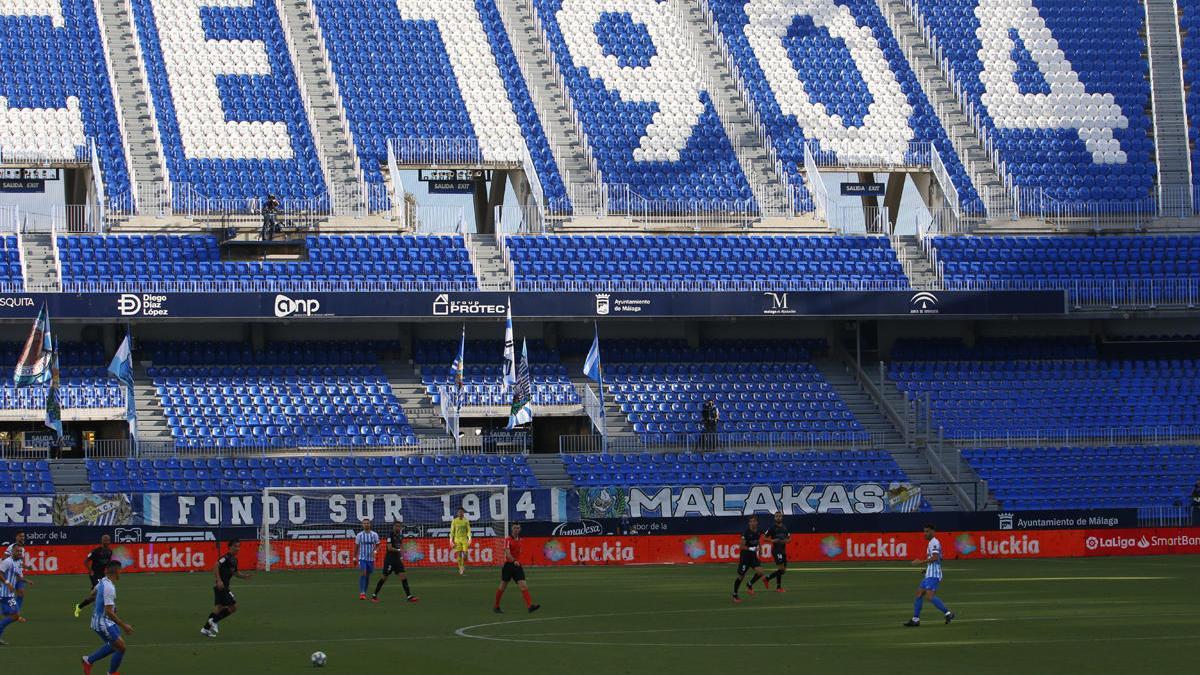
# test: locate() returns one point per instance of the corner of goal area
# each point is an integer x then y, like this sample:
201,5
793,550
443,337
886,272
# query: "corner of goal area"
319,527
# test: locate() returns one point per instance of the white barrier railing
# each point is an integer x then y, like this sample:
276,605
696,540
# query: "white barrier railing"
917,155
1097,294
949,190
1149,435
594,409
695,213
816,185
79,155
699,442
441,220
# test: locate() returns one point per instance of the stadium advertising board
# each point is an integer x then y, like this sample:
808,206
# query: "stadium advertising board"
335,553
480,305
547,505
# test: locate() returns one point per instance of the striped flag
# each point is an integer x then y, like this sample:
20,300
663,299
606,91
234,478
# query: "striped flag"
592,367
459,364
53,400
522,404
510,354
33,368
121,368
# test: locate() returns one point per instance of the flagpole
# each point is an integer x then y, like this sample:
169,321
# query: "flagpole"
130,394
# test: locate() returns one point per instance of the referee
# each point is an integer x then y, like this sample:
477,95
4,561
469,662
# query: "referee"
97,559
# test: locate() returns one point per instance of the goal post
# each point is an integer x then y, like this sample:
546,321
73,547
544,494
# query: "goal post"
314,527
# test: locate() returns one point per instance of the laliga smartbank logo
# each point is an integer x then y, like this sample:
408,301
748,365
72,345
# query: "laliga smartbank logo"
830,547
411,551
553,551
964,544
694,548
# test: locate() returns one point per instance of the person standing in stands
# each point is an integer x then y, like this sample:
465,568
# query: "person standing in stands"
710,416
1196,503
270,212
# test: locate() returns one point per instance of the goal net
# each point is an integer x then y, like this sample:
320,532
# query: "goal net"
314,528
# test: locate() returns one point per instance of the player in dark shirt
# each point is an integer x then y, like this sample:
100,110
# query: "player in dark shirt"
224,604
393,563
96,561
779,536
748,558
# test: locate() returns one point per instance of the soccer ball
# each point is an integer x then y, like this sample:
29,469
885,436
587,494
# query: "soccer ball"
318,659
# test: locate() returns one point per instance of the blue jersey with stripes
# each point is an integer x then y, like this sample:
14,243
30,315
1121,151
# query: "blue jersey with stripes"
367,542
933,570
106,596
10,571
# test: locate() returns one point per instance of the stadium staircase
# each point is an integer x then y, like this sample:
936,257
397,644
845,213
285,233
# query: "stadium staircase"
966,474
549,471
753,155
408,388
40,262
151,418
341,164
147,171
70,476
488,262
886,435
966,141
616,423
1170,117
572,155
916,264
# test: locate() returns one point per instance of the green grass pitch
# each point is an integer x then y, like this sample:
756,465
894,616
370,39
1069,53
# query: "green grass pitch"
1114,615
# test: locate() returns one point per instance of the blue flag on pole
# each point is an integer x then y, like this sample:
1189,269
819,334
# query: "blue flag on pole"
121,366
33,368
591,365
592,368
121,369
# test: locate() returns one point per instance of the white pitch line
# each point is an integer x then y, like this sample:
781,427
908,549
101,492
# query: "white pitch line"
1073,579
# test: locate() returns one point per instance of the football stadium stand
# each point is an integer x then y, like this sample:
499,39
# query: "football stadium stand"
25,477
484,372
857,95
636,84
438,77
231,117
635,262
765,391
1061,89
1087,477
11,278
56,93
85,384
1154,268
1010,390
286,396
335,262
252,474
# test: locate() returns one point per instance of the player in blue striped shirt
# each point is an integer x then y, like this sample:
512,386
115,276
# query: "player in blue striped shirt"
366,543
933,578
12,581
106,623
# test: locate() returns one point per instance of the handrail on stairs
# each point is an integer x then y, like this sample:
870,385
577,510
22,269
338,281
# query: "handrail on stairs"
907,430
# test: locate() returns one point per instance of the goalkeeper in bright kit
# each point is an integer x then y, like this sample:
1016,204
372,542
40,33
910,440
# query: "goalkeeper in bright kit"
460,539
